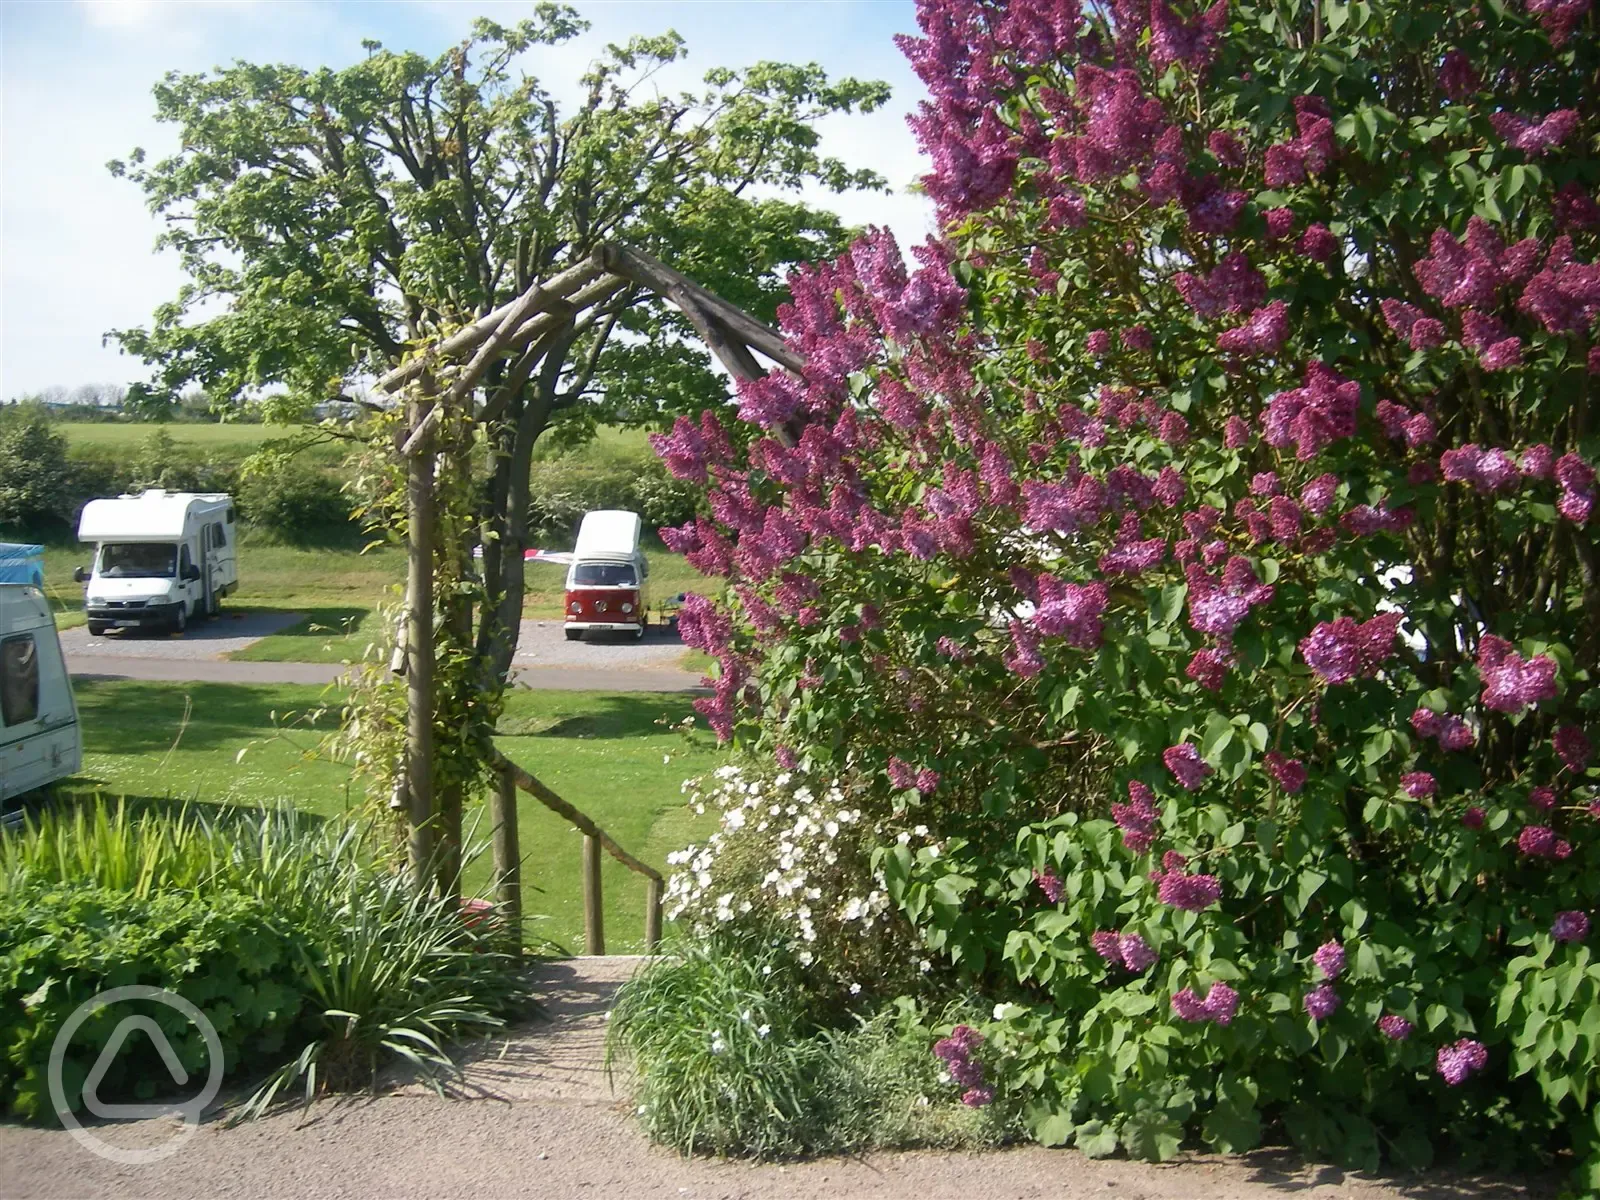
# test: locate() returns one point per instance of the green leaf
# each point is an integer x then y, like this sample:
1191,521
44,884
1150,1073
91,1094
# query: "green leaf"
1152,1136
1096,1139
1232,1129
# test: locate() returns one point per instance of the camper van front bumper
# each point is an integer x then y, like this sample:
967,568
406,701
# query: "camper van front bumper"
125,614
606,626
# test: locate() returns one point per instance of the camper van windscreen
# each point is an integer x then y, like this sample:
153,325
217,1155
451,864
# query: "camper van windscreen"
603,575
138,560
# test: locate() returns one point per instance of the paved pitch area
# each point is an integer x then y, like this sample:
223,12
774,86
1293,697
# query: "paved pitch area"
204,639
544,644
536,1116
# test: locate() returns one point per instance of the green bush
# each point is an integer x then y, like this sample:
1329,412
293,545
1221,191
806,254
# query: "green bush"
561,491
312,961
736,1054
295,503
33,474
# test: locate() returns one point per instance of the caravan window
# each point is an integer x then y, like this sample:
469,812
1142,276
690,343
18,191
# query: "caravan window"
219,536
138,560
603,575
19,680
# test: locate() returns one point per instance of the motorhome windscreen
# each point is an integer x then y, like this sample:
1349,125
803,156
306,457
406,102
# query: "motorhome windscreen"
138,560
603,575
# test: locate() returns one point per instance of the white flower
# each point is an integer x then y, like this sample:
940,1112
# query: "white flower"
763,1030
921,831
717,1044
924,966
933,850
666,758
1002,1011
905,838
855,989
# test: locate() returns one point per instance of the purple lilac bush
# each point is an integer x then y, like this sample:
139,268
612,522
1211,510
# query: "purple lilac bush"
1199,537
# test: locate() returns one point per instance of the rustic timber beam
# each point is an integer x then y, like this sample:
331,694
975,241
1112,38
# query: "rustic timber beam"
582,823
557,287
656,275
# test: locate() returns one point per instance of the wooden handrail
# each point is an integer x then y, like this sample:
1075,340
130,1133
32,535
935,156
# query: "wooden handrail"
594,839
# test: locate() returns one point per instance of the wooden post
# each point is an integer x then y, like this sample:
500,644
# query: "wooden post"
419,654
652,914
507,855
594,919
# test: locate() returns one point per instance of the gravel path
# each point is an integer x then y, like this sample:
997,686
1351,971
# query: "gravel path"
536,1117
204,639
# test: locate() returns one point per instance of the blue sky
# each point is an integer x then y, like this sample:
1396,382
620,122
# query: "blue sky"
76,245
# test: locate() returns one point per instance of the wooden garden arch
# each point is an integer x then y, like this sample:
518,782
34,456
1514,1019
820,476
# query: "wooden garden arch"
446,376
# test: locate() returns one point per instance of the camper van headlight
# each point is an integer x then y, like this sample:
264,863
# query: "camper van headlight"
627,608
576,607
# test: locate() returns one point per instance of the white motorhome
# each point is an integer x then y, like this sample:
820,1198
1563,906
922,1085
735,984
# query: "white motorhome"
160,558
608,581
40,741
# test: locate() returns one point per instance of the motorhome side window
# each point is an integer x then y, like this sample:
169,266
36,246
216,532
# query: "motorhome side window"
603,575
183,564
19,680
138,560
219,535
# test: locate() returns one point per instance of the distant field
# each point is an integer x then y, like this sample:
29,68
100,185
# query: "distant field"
207,435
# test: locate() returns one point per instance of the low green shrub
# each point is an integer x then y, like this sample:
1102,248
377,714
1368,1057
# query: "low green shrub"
314,962
736,1053
296,502
562,490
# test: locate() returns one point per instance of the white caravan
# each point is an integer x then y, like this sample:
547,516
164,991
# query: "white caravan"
39,737
160,558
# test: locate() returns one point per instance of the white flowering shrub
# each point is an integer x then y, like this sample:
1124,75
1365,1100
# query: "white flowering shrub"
791,864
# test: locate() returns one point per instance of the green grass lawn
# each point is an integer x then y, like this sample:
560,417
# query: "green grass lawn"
609,755
201,435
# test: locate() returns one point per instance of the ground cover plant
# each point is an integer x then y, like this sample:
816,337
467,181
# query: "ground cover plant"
1172,606
309,954
620,758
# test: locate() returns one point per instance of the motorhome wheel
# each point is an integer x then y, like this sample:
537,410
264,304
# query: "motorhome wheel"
180,619
98,628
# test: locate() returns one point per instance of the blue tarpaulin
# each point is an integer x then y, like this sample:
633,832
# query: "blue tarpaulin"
21,564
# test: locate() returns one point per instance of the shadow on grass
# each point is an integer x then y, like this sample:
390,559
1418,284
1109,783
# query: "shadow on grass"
78,793
616,715
135,717
324,622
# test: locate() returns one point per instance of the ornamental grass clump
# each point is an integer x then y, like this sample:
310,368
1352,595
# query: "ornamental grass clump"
1209,513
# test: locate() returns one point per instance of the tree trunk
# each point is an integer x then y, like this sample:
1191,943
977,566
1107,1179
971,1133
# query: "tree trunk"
419,652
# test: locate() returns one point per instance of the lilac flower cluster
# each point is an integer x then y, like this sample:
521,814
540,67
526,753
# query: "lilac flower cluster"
1452,732
1192,893
1322,1001
1219,1006
1345,649
1512,683
1329,959
1232,286
1128,949
1218,609
1186,765
1264,332
1419,785
1540,841
1138,818
1573,747
1289,772
1395,1027
1314,416
1570,926
903,776
1071,610
1291,162
1050,884
956,1051
1465,1057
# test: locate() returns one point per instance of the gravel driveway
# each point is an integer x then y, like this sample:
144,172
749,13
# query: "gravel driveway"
544,644
212,638
537,1118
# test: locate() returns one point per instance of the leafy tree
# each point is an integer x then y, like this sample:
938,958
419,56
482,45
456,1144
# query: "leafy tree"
34,475
345,216
1187,580
149,403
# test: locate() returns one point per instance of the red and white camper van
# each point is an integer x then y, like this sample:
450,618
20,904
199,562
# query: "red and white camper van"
608,581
